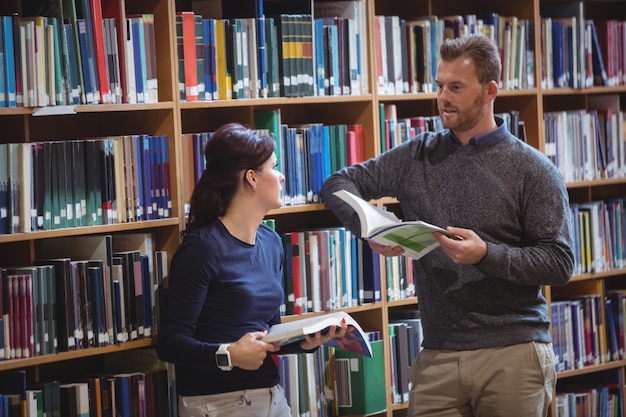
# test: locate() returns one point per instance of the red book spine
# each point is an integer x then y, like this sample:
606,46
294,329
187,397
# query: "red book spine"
298,307
100,55
13,317
115,9
29,333
189,47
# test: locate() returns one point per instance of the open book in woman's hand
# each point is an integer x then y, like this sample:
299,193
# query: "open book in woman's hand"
355,340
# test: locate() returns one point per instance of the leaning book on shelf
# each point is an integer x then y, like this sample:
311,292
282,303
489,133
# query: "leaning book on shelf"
355,339
383,227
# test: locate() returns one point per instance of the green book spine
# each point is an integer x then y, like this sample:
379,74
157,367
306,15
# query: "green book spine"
366,382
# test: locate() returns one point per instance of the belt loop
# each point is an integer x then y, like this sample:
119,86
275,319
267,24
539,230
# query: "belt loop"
244,398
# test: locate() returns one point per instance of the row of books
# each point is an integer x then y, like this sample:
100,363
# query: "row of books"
84,291
335,382
399,274
353,379
586,145
283,55
80,52
599,233
328,269
395,129
589,329
118,394
580,52
407,50
602,401
306,154
85,182
405,340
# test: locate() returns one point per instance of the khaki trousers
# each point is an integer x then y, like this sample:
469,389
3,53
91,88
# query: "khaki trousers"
262,402
509,381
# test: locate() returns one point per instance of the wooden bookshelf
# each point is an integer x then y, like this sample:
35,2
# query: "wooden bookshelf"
174,118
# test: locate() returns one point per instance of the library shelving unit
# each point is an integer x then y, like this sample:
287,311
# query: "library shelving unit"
28,125
175,119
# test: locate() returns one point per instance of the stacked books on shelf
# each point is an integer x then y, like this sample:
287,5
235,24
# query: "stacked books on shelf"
588,145
60,184
258,55
336,381
329,269
598,235
78,52
82,292
139,393
406,50
307,154
579,52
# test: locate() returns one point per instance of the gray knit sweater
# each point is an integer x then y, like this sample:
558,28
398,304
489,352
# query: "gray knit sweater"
507,192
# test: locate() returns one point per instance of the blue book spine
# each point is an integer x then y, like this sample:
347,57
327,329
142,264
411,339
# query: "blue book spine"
355,270
88,79
166,177
138,175
213,55
334,50
209,59
157,183
74,84
9,60
91,50
557,54
3,100
326,154
261,55
122,396
320,73
147,177
141,75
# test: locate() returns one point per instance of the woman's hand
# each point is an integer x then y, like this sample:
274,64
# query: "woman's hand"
311,342
250,351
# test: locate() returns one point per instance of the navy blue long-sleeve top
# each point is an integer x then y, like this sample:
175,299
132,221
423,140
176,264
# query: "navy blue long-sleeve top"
220,288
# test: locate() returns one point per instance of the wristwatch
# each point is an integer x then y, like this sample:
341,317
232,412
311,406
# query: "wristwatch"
222,357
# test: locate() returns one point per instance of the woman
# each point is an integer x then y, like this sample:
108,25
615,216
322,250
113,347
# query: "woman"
225,285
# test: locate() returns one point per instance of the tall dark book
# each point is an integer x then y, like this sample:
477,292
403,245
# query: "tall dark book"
13,383
131,268
64,316
96,248
38,190
93,182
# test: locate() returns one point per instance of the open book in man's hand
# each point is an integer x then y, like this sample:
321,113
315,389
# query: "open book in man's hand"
355,340
383,227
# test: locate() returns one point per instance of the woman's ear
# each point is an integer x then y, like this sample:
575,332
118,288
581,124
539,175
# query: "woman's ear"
251,178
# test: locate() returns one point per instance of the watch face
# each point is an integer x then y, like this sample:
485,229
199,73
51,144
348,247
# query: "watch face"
222,359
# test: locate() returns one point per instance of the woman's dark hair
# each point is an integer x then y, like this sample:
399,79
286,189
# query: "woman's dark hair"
232,150
480,49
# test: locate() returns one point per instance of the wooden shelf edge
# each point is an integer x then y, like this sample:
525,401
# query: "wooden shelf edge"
75,354
89,230
591,369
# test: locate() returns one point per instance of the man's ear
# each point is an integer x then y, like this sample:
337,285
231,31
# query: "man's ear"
492,90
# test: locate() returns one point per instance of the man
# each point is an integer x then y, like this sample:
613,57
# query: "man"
487,346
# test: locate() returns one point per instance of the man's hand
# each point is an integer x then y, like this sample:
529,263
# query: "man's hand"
471,250
386,250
